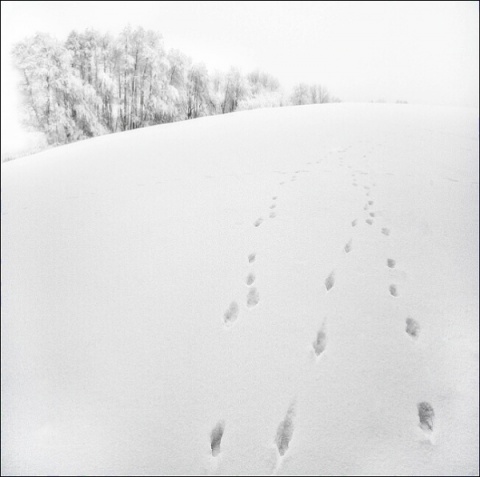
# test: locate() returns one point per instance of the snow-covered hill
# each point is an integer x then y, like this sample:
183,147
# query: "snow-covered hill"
283,291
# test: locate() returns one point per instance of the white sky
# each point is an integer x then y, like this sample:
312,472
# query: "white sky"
422,52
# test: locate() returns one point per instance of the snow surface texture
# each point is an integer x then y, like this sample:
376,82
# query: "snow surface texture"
289,291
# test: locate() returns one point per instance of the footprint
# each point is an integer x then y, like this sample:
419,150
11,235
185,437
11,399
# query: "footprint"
330,281
354,184
272,215
285,431
216,437
354,222
250,279
320,342
252,297
412,328
426,415
273,206
274,197
393,290
258,222
251,258
390,263
348,246
372,214
385,231
370,202
369,221
365,207
231,315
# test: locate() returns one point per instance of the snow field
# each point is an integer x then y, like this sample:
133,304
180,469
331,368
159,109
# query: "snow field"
289,291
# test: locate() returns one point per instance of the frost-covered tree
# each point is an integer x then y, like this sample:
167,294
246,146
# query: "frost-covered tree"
301,94
217,80
59,105
198,95
263,92
37,59
319,94
235,89
177,72
311,94
261,82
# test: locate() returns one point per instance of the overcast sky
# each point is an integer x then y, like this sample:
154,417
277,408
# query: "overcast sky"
421,52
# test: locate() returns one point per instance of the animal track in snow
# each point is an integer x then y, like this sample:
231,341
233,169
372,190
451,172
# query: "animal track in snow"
385,231
348,246
393,290
274,197
285,431
231,315
412,328
354,222
252,297
390,263
250,279
425,415
330,281
372,214
272,215
370,202
251,258
216,437
320,342
273,206
369,221
258,222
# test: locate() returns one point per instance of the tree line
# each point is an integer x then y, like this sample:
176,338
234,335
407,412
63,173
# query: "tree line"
96,83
